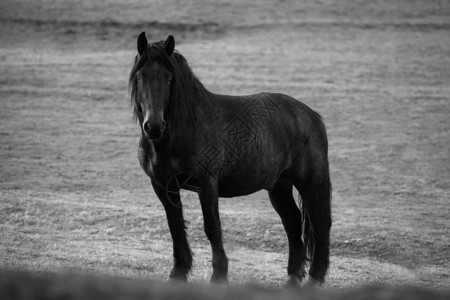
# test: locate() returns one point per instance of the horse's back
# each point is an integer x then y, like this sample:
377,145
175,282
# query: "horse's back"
294,120
269,109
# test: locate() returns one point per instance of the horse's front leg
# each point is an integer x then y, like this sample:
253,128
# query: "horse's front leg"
209,200
182,254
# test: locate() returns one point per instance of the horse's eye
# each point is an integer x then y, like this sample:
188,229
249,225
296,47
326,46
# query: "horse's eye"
138,76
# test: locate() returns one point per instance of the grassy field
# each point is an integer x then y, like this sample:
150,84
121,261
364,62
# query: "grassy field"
72,194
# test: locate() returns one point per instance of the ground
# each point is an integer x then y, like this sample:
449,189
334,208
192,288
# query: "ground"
72,194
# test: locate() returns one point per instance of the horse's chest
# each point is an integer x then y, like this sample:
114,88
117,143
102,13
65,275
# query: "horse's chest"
145,160
156,166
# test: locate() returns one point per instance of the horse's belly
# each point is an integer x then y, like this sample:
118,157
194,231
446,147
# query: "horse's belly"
254,171
230,187
244,181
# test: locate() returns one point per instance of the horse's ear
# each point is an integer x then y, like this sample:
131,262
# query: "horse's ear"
141,43
169,45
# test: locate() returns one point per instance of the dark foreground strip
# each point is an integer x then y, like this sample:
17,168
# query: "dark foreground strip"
27,285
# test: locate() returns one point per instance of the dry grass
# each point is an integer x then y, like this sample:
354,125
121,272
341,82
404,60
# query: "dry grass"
72,195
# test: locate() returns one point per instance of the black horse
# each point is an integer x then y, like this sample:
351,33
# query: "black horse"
227,146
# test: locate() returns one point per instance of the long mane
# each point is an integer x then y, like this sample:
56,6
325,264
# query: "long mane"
186,93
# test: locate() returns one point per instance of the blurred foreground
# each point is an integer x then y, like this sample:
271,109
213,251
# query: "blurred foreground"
28,286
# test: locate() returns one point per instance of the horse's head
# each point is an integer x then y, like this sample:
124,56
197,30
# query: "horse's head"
151,80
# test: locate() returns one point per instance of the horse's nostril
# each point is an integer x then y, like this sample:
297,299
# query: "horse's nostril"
146,127
163,124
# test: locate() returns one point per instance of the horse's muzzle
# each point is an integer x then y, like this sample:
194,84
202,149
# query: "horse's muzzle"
154,132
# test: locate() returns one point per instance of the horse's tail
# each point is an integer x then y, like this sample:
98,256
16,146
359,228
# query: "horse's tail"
307,231
316,214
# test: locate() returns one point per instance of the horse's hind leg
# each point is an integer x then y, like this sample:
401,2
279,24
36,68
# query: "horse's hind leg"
284,204
182,255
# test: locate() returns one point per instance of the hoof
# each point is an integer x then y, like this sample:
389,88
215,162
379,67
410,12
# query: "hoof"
312,283
176,281
292,282
177,277
219,279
